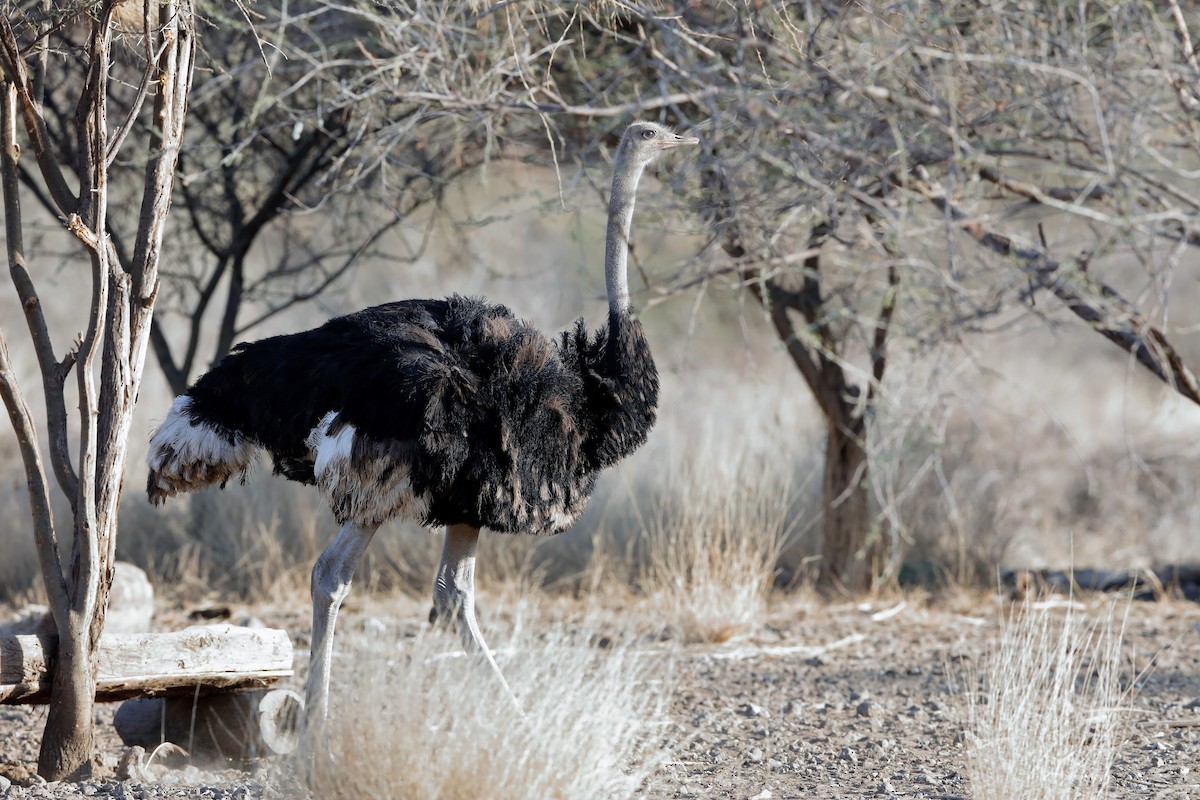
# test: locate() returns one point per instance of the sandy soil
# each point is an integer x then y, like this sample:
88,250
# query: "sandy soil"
828,701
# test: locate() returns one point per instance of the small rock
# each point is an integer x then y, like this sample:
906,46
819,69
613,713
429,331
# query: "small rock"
130,600
857,696
133,766
752,710
765,794
210,613
885,787
755,755
32,619
847,754
865,709
5,784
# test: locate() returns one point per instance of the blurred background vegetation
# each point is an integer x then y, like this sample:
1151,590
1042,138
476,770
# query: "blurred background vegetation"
923,303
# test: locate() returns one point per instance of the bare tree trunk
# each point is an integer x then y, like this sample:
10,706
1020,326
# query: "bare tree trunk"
851,553
110,355
853,549
66,750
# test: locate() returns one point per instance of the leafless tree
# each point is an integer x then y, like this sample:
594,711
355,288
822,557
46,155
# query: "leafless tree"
106,360
923,170
320,126
914,170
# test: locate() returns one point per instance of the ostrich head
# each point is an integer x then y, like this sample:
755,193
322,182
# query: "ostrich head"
643,142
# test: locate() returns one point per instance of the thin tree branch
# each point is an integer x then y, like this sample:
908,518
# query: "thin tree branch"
89,226
1095,302
328,280
53,373
457,103
135,108
44,536
883,324
14,68
175,65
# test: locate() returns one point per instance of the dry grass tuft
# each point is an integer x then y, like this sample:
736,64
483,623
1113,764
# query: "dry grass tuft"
713,544
422,721
1046,725
255,543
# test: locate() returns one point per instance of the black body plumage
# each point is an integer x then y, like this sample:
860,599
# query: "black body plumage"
491,423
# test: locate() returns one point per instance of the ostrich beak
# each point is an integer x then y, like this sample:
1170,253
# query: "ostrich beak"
678,141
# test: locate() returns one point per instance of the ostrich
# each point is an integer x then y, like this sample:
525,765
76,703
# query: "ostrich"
447,412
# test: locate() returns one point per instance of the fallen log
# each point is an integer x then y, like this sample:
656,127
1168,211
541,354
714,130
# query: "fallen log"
204,659
1140,584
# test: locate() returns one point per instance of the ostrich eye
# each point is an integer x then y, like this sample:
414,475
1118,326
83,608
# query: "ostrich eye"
648,134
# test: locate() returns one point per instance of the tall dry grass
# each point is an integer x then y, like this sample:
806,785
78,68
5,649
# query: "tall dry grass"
253,543
701,526
710,535
1047,723
417,719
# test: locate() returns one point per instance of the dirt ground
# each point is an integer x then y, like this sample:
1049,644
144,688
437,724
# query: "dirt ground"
828,701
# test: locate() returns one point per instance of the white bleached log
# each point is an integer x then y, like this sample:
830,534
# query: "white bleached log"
209,657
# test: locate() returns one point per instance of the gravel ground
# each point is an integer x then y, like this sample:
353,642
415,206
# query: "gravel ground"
878,715
828,701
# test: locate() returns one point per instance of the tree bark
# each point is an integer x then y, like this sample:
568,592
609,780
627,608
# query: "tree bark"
66,749
851,552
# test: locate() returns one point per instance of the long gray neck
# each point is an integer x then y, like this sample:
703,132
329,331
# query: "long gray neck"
616,244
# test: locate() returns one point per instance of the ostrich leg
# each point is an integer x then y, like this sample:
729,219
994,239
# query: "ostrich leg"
454,594
331,578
